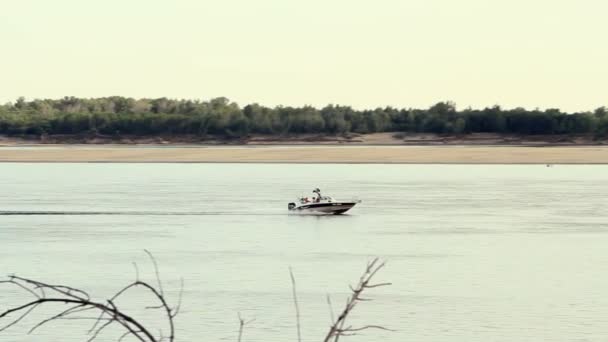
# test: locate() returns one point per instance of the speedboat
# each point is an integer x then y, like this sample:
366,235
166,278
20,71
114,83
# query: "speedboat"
321,205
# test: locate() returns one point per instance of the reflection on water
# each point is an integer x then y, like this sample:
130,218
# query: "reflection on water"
475,253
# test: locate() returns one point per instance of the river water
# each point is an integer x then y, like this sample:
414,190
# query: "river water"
474,253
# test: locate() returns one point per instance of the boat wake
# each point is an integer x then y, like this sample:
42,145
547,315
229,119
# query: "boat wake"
128,213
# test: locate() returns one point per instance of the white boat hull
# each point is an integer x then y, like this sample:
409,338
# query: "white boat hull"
336,208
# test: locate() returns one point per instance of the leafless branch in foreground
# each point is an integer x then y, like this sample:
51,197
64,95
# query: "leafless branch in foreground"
295,302
242,324
331,308
82,307
339,328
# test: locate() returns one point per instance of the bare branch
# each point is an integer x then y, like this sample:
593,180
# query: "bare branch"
331,309
179,301
377,285
61,289
242,324
295,301
79,301
154,307
160,285
341,324
128,333
136,271
337,329
97,322
13,281
105,325
73,309
350,329
159,296
30,306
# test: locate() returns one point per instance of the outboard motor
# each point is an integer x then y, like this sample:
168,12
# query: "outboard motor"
291,205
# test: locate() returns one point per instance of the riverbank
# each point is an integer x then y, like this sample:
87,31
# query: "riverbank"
308,154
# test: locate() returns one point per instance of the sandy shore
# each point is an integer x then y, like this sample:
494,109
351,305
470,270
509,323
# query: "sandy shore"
309,154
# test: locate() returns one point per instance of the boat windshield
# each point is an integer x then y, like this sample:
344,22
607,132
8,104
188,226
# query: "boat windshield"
304,200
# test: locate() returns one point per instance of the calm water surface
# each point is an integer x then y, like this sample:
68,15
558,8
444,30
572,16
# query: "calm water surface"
475,253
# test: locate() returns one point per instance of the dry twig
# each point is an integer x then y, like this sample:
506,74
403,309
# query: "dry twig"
338,327
295,302
242,324
81,303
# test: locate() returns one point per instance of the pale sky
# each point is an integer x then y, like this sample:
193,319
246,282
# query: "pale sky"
405,53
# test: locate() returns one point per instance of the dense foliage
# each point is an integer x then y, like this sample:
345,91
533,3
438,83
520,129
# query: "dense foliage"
148,117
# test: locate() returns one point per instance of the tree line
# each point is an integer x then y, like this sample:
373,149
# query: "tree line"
221,117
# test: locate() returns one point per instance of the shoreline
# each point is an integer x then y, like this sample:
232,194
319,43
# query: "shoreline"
299,154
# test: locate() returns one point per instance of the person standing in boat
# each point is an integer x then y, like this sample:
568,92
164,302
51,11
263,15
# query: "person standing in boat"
318,192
